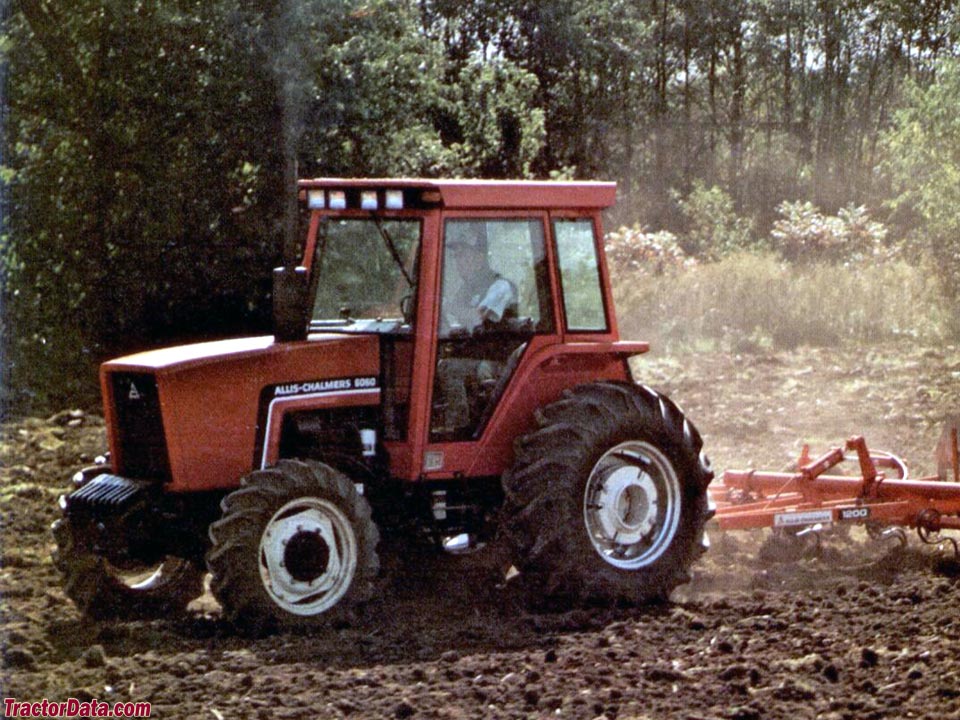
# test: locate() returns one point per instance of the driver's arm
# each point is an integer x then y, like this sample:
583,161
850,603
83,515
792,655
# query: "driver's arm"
498,298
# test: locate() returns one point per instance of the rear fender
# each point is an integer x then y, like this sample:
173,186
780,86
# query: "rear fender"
540,379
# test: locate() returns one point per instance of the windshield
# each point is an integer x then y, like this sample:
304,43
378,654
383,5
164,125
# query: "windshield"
365,273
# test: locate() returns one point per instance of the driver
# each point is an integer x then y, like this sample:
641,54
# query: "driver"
482,296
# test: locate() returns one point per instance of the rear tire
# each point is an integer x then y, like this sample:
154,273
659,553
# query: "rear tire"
295,548
606,501
102,591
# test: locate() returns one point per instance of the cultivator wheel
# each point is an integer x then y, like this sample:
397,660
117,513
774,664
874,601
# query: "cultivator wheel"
102,590
606,502
295,548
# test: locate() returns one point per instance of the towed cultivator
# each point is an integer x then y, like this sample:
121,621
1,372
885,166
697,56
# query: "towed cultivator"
822,492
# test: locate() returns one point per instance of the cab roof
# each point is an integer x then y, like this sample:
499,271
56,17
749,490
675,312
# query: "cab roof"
486,194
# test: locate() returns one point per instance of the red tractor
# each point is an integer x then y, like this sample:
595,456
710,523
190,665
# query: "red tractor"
445,365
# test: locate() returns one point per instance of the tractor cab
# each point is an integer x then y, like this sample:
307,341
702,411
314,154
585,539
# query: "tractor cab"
466,284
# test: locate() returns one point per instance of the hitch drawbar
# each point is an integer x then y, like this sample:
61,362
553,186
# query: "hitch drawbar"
882,495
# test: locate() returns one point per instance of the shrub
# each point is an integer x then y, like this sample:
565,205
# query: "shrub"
749,300
921,161
633,250
712,228
803,234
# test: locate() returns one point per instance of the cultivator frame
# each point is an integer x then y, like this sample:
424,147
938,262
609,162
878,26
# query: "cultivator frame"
817,494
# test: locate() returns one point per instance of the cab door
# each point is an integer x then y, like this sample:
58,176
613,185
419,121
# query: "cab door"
494,306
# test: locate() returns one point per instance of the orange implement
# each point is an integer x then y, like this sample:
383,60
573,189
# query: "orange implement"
881,494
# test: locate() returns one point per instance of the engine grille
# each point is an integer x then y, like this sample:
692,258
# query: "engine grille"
142,444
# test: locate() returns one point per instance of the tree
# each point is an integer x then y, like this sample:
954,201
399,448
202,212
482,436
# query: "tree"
130,175
152,147
922,162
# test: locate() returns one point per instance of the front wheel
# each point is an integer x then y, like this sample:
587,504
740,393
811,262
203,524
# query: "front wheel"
295,547
606,501
102,590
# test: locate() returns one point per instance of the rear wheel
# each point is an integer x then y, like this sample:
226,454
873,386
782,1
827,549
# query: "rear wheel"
295,547
102,590
606,501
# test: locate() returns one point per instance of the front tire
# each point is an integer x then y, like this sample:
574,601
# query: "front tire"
606,501
103,591
295,547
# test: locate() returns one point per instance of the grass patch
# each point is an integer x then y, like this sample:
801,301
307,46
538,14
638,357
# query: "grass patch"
749,301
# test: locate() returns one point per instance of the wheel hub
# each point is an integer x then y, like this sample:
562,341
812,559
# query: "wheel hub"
631,505
628,505
308,556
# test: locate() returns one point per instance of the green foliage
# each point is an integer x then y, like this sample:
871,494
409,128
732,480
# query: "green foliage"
712,227
373,80
805,235
923,163
500,130
132,182
750,300
145,141
146,163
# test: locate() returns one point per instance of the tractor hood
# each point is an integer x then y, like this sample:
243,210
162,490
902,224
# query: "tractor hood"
261,354
201,416
182,356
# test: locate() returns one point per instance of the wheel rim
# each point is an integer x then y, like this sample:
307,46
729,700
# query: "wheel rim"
144,579
308,556
631,505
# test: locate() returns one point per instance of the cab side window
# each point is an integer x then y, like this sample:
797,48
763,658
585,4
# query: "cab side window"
494,273
495,296
580,275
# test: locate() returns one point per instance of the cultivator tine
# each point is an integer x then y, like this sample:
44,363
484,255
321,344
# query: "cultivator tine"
929,524
956,548
940,541
813,532
896,533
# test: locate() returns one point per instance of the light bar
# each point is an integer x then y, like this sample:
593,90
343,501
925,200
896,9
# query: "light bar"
315,199
338,200
394,200
368,200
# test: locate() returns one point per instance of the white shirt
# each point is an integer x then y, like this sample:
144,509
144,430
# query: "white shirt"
469,312
494,303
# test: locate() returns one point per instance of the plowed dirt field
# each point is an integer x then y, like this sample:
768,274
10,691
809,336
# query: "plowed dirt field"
866,629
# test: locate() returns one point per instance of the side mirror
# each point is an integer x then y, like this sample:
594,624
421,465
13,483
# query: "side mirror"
290,297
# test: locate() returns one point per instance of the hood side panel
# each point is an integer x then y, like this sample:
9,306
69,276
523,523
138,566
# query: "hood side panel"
210,403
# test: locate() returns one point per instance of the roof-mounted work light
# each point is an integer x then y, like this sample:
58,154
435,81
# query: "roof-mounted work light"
315,199
394,200
338,200
368,200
